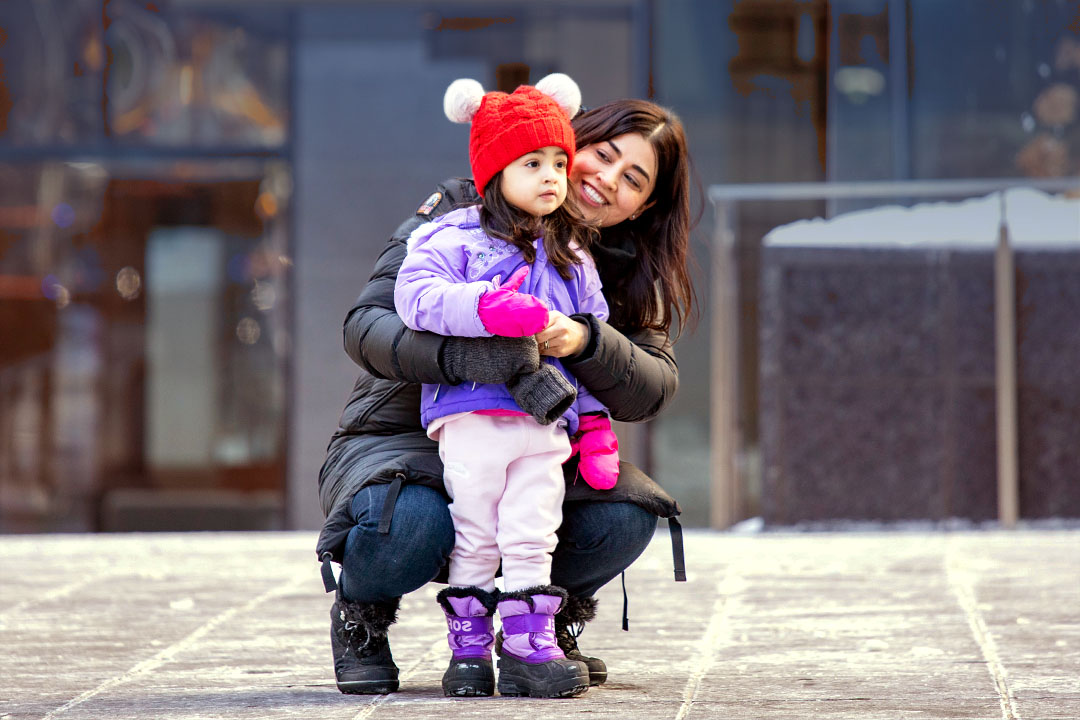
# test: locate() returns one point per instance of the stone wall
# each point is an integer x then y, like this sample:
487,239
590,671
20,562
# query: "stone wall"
877,384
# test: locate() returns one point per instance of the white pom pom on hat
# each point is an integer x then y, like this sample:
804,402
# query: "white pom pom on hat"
563,90
462,100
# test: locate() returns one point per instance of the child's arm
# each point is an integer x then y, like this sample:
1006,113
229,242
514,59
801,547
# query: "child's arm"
509,313
431,292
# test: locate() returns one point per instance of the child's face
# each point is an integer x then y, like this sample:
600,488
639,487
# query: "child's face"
536,182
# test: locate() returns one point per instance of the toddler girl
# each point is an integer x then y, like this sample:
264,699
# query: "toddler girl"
497,269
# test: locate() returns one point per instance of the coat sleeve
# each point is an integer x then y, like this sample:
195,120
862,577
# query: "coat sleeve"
431,291
375,337
634,377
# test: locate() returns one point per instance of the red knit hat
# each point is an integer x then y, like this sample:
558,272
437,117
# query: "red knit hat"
505,127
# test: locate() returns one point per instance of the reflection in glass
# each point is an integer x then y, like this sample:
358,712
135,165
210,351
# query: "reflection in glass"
128,283
83,72
248,331
141,349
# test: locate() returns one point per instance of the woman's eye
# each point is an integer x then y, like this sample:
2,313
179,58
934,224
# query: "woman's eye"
602,155
633,182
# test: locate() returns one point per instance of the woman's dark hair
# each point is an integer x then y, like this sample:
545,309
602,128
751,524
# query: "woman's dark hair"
559,228
656,289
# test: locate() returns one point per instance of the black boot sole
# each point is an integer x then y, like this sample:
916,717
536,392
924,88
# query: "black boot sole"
518,679
368,687
469,678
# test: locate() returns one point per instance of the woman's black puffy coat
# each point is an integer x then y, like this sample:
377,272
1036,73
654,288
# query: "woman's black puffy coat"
379,436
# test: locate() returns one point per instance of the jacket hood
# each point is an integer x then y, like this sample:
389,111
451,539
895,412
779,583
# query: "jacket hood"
465,218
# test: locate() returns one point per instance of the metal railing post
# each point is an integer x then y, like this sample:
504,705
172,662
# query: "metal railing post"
1008,485
723,374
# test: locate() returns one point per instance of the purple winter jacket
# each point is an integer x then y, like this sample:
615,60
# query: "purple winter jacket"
451,263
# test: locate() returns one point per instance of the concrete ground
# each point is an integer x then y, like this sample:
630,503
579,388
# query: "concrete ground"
862,625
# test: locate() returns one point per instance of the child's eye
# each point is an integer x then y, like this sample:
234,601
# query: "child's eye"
532,164
561,164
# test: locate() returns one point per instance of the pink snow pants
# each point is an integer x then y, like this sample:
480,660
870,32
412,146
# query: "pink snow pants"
504,475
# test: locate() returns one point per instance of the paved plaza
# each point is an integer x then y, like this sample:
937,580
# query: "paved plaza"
771,625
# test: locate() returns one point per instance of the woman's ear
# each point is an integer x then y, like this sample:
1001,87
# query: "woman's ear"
643,208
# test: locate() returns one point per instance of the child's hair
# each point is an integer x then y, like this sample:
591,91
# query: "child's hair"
560,228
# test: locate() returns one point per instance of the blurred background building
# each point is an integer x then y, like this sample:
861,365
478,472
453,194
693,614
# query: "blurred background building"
192,193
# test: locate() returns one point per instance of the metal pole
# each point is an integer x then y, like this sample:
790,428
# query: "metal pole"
898,89
723,372
1005,348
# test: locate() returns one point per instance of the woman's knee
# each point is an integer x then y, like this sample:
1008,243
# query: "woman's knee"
596,525
377,565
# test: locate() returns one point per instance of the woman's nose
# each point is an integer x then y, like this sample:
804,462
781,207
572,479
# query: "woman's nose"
607,179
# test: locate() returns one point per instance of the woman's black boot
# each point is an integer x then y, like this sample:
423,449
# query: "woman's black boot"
363,664
569,622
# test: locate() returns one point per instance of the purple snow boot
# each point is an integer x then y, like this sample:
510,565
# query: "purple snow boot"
468,617
531,662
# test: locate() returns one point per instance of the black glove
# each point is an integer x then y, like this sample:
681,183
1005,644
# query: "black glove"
488,359
545,394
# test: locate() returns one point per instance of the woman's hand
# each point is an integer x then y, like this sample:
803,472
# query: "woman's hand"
563,336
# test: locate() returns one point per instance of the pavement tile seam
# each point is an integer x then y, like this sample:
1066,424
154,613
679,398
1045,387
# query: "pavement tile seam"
166,655
961,584
717,634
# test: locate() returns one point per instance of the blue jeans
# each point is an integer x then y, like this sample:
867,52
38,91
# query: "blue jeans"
597,541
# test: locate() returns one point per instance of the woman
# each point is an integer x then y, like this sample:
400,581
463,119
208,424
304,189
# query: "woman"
381,485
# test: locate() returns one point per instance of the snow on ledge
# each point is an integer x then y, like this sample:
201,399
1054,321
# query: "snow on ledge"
1035,220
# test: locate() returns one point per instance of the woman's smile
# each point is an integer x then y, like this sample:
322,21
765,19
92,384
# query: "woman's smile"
591,195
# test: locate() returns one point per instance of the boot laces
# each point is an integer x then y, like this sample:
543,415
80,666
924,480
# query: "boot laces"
567,636
357,636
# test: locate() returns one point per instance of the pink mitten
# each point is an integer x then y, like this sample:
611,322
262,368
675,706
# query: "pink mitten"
506,312
599,449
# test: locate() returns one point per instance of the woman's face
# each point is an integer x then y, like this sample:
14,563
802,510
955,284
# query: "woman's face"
614,178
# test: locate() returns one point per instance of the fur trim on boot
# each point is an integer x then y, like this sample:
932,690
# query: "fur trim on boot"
372,619
490,600
577,610
527,594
